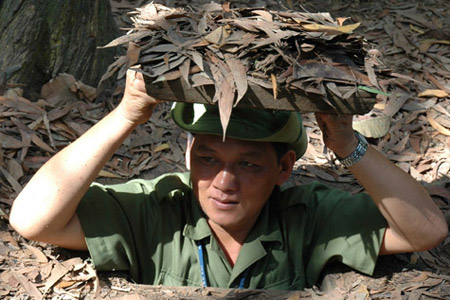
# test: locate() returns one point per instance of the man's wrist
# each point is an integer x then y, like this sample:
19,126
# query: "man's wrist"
357,154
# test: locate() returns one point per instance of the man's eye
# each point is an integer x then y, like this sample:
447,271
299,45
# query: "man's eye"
247,164
208,159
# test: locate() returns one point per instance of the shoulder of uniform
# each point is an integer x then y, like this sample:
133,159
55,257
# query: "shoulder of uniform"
306,194
168,184
160,187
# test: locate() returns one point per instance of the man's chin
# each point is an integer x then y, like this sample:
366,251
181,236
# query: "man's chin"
226,224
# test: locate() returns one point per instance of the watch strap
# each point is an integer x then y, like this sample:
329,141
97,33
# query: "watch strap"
356,155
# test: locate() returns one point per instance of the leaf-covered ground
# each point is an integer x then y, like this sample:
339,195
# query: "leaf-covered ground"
412,38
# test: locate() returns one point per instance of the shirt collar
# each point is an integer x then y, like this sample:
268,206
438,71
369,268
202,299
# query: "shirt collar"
266,229
197,227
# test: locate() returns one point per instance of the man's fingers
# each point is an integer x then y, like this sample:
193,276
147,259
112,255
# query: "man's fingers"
333,117
131,75
135,82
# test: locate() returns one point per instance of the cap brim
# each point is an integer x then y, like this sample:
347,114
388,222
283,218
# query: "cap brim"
246,124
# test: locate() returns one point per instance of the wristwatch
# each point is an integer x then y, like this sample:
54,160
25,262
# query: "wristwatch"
357,154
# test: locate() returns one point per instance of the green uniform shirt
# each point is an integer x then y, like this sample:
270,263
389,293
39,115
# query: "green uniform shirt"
152,229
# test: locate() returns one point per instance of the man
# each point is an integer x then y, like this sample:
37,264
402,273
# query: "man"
227,223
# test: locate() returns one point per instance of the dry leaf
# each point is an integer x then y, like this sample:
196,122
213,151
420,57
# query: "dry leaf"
84,91
14,168
218,36
41,144
239,72
108,174
57,91
264,14
426,44
197,58
161,147
46,270
65,284
113,68
40,257
421,277
185,68
437,83
362,292
368,64
436,125
274,86
226,98
31,289
6,237
433,93
12,181
93,275
20,104
321,71
58,272
248,26
8,142
399,39
127,38
406,77
332,29
133,53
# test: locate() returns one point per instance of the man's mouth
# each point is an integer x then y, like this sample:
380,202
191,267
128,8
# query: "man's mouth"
224,203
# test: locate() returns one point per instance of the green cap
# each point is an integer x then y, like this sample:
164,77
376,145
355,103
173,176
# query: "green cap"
250,124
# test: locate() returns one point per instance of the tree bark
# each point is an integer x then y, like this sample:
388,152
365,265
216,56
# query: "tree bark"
40,39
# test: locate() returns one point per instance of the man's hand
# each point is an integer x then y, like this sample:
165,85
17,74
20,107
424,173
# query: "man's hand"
136,105
338,134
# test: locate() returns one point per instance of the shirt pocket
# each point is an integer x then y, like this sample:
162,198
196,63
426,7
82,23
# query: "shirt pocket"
168,278
292,281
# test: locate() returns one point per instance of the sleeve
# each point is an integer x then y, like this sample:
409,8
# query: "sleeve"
343,227
112,217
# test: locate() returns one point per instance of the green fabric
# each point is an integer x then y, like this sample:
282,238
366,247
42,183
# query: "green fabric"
245,123
151,229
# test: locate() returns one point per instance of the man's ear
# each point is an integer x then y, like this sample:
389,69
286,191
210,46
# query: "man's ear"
286,165
187,155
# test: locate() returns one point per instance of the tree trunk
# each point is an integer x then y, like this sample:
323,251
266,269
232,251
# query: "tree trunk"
40,39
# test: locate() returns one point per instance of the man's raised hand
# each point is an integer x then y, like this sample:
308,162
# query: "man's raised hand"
338,134
136,105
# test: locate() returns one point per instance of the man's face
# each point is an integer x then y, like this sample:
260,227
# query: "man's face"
233,179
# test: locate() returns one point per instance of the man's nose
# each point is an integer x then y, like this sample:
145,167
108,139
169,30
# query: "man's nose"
226,180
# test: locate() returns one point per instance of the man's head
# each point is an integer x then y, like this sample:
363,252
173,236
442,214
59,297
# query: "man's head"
233,179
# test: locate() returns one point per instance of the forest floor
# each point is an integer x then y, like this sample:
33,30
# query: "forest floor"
413,40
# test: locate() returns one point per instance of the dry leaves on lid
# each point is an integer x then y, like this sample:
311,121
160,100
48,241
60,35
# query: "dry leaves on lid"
306,53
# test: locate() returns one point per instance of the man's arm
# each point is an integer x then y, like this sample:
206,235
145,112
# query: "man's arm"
415,223
46,208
